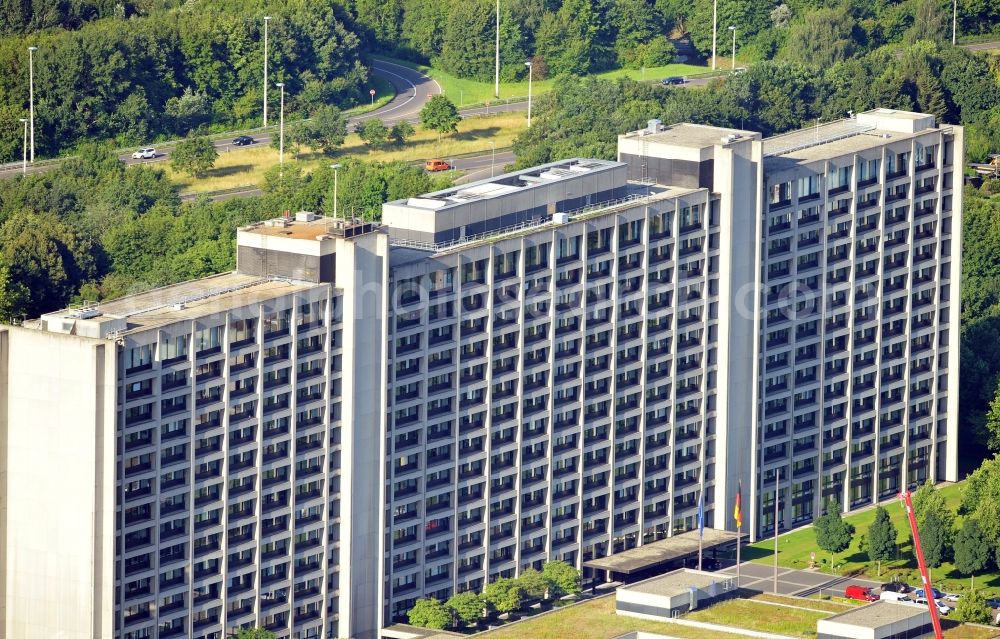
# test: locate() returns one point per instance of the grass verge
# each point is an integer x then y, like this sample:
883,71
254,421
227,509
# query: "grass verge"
594,619
247,166
754,615
794,551
467,92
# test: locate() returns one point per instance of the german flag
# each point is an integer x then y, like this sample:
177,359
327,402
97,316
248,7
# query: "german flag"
737,512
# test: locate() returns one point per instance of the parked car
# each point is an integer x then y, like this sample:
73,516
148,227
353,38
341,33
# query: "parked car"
436,165
144,154
889,595
860,593
941,608
993,603
895,586
242,140
919,594
674,79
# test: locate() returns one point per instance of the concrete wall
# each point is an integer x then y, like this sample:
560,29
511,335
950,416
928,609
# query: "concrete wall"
362,272
57,411
738,175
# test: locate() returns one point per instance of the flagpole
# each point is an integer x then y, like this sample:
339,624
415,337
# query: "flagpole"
738,515
701,525
777,473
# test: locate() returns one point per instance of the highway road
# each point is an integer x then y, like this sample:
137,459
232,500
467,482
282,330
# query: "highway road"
413,90
479,167
982,46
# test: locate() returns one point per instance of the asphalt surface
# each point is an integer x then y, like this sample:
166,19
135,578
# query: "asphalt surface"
982,46
801,583
413,90
478,167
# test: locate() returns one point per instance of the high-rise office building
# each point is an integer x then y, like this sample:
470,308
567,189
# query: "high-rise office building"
556,363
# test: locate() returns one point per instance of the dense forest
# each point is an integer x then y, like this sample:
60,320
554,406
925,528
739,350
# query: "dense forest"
135,75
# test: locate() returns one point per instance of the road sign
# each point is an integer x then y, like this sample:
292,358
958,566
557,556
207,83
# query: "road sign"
371,92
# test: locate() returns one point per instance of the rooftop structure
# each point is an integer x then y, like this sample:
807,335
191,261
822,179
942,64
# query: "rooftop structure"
520,197
878,620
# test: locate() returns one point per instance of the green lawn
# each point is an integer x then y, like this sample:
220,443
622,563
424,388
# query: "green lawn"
760,616
466,92
794,550
595,619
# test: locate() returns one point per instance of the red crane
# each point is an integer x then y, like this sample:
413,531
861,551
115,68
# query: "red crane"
928,590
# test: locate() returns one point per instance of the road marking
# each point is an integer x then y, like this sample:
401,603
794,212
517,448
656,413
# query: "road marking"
381,112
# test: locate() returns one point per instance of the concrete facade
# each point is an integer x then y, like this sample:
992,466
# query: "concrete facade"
551,364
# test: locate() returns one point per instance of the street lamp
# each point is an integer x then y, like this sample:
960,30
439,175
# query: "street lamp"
528,64
24,148
281,131
31,96
266,20
715,28
493,162
496,89
954,20
733,29
335,167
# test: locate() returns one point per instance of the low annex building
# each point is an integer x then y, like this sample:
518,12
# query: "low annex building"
673,594
880,620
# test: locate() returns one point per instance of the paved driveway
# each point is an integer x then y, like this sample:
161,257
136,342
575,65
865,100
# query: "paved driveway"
760,578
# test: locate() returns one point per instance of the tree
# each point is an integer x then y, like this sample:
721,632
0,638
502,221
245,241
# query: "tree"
440,114
504,595
13,296
821,38
981,499
563,578
972,608
188,111
881,538
255,633
927,500
833,534
429,613
374,133
466,606
933,540
325,130
972,549
400,132
533,583
993,421
47,261
194,156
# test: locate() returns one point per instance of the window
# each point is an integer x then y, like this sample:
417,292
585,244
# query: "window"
138,358
174,347
208,339
568,248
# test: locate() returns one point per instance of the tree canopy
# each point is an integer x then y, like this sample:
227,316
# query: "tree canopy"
194,156
467,607
833,534
429,613
972,548
503,595
440,114
882,537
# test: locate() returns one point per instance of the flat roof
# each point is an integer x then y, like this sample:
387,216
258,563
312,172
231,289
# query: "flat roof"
662,551
188,300
508,183
693,136
879,613
406,631
678,582
868,130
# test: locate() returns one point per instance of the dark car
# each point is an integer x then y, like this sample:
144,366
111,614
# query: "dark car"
895,586
243,140
674,79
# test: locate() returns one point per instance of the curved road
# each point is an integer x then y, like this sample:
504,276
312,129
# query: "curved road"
413,90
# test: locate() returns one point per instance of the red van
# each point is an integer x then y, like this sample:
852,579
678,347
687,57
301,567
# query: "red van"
860,593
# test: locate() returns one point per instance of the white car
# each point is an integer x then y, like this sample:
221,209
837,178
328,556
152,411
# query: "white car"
942,609
144,154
